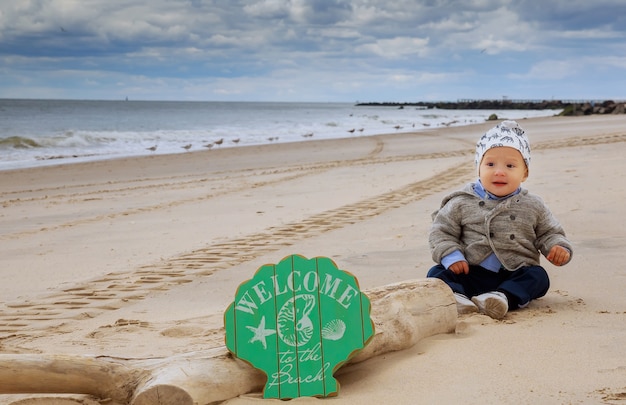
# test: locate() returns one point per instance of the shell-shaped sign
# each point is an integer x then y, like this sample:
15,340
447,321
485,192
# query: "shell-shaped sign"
298,321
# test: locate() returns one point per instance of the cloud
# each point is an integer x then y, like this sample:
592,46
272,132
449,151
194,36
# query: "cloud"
303,49
396,47
550,70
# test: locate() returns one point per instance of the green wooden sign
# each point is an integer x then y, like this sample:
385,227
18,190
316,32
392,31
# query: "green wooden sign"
298,321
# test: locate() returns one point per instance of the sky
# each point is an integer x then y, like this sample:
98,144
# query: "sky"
313,50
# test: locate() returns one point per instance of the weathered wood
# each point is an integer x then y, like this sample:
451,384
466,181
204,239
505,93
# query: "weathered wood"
403,314
198,378
65,374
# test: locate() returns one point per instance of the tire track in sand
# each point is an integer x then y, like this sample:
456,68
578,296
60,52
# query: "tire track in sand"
268,176
87,191
91,298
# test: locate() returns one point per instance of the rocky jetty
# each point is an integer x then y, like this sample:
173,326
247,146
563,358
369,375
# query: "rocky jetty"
606,107
568,107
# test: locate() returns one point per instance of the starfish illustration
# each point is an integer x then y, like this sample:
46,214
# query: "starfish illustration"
260,333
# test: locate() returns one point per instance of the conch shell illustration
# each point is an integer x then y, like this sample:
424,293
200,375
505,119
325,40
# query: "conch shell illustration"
298,308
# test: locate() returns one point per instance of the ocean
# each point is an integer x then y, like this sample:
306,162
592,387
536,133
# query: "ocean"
43,132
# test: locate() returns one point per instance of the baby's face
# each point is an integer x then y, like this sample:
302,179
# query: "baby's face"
502,170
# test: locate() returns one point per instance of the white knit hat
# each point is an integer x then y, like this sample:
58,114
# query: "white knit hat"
506,133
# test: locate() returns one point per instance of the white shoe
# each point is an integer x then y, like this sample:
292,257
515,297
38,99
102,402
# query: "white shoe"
493,304
464,305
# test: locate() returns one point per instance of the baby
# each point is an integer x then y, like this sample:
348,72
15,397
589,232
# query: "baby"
486,238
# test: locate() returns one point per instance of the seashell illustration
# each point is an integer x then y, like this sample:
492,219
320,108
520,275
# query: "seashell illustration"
334,330
295,328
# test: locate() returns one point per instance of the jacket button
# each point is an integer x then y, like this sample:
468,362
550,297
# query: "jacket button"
512,237
481,203
491,234
512,217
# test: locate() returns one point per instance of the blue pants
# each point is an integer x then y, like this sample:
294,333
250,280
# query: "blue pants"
520,286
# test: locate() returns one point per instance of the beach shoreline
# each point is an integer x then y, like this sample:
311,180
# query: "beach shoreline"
139,257
41,133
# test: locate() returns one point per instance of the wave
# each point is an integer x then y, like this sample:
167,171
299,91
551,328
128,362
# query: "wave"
69,139
18,142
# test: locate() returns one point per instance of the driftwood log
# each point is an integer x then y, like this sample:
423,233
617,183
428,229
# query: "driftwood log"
403,314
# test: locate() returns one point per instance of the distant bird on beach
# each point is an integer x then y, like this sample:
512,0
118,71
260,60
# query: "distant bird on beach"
219,141
351,130
187,147
397,127
208,145
152,148
235,141
307,135
361,129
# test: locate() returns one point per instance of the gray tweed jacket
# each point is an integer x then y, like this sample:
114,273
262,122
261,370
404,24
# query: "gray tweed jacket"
515,229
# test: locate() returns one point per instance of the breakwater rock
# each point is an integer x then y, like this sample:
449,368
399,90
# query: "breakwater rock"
568,107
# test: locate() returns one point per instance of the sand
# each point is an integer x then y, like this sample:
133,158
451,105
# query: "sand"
140,257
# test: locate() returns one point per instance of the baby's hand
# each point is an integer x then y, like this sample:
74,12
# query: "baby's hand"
558,255
459,267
